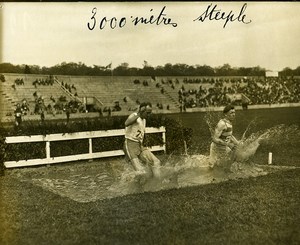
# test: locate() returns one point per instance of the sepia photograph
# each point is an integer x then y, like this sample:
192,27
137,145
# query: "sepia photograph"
149,122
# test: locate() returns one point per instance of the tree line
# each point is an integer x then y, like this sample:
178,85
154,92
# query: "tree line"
123,69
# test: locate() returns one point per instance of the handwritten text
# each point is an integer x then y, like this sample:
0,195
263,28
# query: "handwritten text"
113,22
211,13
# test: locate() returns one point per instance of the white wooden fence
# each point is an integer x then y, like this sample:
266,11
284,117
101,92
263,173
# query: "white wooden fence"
73,136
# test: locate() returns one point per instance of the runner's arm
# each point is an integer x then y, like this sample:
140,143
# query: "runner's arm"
217,133
234,140
132,119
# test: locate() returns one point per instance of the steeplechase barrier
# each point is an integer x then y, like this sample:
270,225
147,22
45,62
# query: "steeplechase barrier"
90,135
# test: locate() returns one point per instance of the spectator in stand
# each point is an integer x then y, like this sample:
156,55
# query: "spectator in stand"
52,99
18,115
68,112
244,104
42,113
184,107
100,112
117,106
24,107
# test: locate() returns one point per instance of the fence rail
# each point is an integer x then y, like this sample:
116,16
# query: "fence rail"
74,136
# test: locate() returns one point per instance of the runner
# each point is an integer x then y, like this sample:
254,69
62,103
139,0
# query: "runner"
135,127
223,142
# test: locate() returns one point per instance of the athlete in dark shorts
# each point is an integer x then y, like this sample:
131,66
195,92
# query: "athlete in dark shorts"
135,127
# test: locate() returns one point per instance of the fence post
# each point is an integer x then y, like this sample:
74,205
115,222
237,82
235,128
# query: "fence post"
48,149
90,146
164,141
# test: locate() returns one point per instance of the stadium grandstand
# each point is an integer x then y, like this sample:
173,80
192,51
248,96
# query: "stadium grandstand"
118,95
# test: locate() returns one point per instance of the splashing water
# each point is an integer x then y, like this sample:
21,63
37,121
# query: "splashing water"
248,145
276,135
119,179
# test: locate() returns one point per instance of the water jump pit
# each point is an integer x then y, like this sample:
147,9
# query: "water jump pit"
104,179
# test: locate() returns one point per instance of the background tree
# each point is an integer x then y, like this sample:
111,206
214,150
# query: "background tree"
179,69
27,70
121,70
297,71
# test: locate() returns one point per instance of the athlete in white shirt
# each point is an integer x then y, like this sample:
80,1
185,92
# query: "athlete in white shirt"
223,142
135,127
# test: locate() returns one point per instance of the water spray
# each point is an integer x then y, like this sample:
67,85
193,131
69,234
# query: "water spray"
247,129
185,148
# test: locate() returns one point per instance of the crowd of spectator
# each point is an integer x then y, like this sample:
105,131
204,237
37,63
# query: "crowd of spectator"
70,88
293,86
21,110
212,91
252,90
158,85
137,81
19,81
270,90
43,82
39,81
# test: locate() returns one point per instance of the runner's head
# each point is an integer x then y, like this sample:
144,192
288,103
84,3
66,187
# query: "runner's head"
145,109
229,112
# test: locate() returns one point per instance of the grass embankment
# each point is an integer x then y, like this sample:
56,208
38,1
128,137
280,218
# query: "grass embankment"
263,210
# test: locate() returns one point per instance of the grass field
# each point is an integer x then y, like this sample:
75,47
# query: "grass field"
261,210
